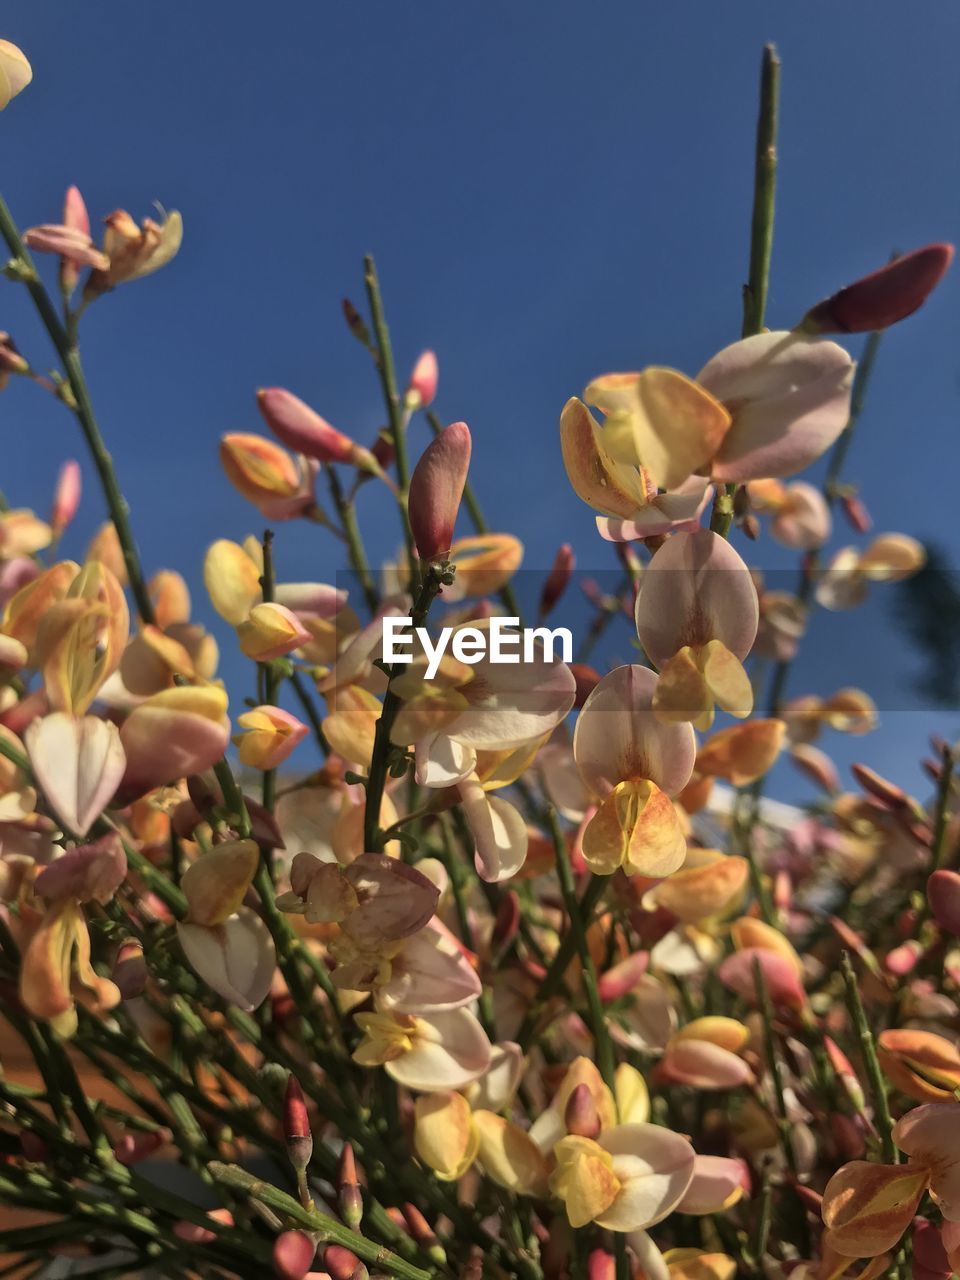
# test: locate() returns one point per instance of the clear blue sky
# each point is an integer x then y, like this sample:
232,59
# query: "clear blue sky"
551,191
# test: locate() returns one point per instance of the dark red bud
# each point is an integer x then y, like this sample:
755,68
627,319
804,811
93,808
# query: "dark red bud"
587,680
343,1265
296,1126
293,1254
855,509
885,296
558,578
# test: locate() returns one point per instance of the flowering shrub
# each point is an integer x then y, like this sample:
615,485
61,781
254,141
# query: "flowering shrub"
478,996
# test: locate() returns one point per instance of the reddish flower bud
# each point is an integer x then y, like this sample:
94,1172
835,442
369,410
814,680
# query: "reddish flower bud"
296,1126
436,488
66,497
356,323
882,298
342,1264
557,579
943,895
855,509
601,1265
623,977
422,387
422,1232
848,1136
383,449
134,1147
587,680
507,922
581,1116
297,426
349,1197
34,1148
903,959
293,1254
888,793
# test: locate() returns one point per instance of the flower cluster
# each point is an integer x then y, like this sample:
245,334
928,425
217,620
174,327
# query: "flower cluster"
463,968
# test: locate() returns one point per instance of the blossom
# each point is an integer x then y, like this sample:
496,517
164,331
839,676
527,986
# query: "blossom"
891,557
270,736
428,1053
633,764
484,564
267,476
134,251
631,1177
78,764
15,72
799,515
697,615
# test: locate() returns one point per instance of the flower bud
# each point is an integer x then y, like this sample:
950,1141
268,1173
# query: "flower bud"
350,1198
15,72
271,631
943,895
297,1133
887,793
293,1254
882,298
436,488
130,970
855,509
507,922
422,387
11,361
581,1116
587,679
270,735
134,1147
343,1265
601,1265
297,426
66,498
423,1233
557,579
356,323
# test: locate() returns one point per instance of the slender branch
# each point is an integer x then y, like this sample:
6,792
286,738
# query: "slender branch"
83,410
761,240
868,1048
327,1230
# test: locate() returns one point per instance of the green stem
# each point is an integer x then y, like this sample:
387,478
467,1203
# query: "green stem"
558,965
761,240
868,1048
271,679
83,410
327,1230
601,1035
391,399
351,532
373,837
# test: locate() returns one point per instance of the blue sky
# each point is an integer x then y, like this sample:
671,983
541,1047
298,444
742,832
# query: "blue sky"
551,192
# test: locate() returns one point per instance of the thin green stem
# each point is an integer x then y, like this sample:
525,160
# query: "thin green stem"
868,1048
761,240
391,399
82,407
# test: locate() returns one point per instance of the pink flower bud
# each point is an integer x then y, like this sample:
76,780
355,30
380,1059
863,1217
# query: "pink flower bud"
130,970
903,959
581,1116
76,217
297,1133
887,793
623,977
66,498
557,579
855,509
297,426
882,298
847,1135
134,1147
601,1265
436,488
342,1264
293,1254
943,895
422,387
